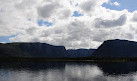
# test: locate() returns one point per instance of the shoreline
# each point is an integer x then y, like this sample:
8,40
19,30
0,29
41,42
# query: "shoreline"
92,59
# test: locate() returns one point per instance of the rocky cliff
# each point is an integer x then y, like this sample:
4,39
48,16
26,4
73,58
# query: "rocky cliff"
117,48
32,50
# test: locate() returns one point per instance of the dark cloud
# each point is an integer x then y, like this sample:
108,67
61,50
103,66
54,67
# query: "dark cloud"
65,14
47,10
88,5
31,30
100,23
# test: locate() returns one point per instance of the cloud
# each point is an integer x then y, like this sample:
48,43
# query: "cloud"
100,23
20,18
88,5
47,10
65,14
135,17
116,3
31,30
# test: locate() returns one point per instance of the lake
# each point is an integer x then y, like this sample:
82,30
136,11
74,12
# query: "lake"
68,71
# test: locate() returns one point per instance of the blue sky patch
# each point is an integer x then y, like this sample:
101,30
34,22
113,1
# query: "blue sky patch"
46,23
6,38
130,5
76,14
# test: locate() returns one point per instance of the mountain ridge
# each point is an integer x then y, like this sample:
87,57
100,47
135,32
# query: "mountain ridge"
117,48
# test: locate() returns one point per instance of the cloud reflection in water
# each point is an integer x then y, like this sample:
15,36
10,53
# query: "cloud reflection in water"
69,73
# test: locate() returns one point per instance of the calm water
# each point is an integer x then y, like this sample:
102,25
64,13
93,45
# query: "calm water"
68,71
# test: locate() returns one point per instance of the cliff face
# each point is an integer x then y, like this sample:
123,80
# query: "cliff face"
32,50
117,48
80,52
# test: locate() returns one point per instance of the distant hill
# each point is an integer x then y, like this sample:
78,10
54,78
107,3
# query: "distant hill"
117,48
32,50
80,52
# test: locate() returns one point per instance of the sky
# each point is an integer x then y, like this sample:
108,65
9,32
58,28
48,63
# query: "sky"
74,24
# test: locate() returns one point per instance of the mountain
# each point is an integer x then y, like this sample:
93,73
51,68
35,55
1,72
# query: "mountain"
32,50
36,49
80,52
117,48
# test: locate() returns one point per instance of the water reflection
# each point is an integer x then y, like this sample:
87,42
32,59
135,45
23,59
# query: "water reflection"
62,71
